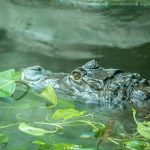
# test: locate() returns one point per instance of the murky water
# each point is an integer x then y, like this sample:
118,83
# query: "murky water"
33,109
62,41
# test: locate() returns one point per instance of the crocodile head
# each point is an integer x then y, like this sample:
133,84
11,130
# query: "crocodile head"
84,82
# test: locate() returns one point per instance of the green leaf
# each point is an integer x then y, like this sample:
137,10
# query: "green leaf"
87,149
3,138
63,146
135,145
39,142
60,146
67,114
65,104
101,131
18,75
144,129
49,94
7,83
32,130
43,145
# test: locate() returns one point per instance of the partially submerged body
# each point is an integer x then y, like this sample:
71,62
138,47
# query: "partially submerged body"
110,88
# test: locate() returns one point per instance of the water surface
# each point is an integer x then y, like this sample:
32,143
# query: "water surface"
62,39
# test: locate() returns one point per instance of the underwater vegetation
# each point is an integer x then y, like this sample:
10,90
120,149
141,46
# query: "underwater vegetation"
64,115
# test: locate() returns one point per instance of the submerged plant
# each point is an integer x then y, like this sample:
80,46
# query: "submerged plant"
68,116
7,83
9,79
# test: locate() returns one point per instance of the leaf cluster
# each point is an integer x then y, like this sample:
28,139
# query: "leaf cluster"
65,117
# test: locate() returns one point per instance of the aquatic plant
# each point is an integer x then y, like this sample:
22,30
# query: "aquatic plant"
69,116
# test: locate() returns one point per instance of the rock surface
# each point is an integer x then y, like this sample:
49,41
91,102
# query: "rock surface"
58,25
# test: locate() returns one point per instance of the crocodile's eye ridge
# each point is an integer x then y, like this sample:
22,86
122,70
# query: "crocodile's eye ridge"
76,75
38,68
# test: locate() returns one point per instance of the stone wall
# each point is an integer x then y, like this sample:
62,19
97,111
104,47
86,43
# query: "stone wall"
50,27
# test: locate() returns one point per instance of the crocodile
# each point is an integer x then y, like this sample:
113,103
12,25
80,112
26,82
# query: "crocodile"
92,84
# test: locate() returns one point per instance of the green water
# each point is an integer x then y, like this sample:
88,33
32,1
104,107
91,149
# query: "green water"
62,39
33,109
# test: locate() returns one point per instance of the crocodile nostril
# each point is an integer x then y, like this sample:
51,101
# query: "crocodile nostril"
39,69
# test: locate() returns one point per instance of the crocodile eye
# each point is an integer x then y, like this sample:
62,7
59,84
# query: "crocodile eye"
76,75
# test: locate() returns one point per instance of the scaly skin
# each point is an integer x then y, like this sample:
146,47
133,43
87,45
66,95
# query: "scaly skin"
110,88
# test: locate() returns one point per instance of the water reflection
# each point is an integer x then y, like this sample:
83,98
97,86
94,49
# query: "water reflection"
130,60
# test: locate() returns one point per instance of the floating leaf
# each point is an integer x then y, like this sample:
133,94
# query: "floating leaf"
39,142
65,104
3,138
43,145
144,129
63,146
135,145
60,146
67,114
49,94
7,83
32,130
